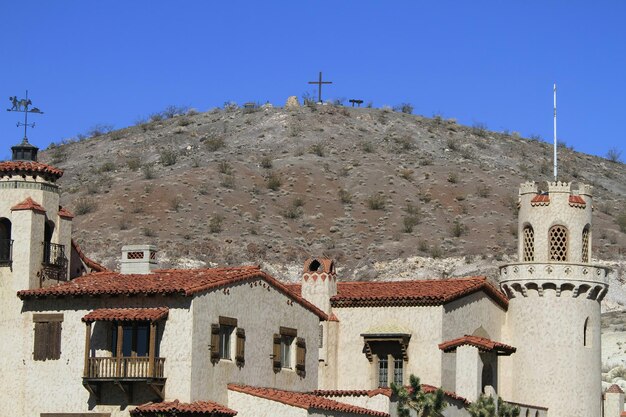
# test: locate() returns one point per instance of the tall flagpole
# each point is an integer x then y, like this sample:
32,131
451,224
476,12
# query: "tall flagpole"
555,145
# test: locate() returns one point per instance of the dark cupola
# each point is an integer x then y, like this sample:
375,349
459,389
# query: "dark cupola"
24,151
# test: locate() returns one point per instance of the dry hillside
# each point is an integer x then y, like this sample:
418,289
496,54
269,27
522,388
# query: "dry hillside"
382,192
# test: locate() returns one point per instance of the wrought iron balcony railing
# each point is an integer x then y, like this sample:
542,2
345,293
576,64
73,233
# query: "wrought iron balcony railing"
54,255
6,252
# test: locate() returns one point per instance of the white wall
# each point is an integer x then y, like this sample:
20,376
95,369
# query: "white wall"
260,310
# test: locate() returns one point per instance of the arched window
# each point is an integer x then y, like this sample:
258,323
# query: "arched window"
529,243
585,246
5,240
587,333
558,243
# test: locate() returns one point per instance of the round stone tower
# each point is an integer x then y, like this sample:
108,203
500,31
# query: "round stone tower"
554,303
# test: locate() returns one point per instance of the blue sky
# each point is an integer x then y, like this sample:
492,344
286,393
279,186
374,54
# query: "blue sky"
113,62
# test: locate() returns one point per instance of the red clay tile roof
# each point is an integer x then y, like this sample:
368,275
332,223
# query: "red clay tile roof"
307,401
353,392
29,204
577,201
623,414
540,200
127,314
9,168
429,388
65,213
185,282
482,343
199,407
95,266
411,293
615,389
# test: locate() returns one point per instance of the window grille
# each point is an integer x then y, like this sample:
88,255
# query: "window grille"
585,254
398,375
529,244
383,369
134,255
558,243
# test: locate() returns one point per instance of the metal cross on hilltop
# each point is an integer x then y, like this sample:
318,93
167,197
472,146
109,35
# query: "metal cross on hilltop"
319,87
22,106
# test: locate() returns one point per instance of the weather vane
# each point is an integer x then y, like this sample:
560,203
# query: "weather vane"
23,106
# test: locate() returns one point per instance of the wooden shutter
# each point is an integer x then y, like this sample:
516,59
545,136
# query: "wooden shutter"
53,350
41,341
301,356
215,343
276,352
240,353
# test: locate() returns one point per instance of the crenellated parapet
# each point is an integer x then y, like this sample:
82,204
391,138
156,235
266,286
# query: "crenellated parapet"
554,279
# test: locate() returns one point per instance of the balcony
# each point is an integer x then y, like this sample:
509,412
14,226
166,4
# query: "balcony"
54,263
6,252
124,368
134,350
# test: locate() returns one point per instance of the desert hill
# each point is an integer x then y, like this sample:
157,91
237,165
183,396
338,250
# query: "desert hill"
385,193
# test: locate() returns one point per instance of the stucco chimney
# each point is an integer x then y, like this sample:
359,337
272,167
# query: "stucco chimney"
138,259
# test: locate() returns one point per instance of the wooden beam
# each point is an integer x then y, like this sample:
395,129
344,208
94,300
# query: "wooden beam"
118,350
87,349
158,388
151,349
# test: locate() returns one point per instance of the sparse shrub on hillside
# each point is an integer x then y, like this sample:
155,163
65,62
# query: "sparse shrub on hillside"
406,173
406,108
59,156
317,149
376,202
168,157
367,147
452,144
405,143
345,196
176,202
230,106
266,162
107,167
422,246
215,224
225,168
535,138
614,155
84,205
466,153
453,178
273,181
148,171
123,223
203,189
309,99
99,130
483,190
412,218
292,212
133,163
214,144
184,122
621,221
228,181
172,111
480,129
297,202
458,229
435,252
148,232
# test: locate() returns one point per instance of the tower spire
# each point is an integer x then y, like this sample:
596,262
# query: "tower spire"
556,166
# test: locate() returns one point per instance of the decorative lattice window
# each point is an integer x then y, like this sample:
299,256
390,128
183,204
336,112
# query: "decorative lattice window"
134,255
585,249
558,243
529,244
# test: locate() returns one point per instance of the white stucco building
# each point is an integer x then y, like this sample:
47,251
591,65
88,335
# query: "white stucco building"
79,340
